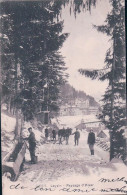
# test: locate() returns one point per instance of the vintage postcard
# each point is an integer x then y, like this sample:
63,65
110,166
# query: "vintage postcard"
63,105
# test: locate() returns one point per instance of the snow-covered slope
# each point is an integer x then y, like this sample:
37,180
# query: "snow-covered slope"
7,132
8,124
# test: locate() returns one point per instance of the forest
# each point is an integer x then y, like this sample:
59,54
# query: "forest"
67,92
33,69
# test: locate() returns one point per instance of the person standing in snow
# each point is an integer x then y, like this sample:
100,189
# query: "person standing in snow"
60,136
91,141
67,134
32,144
63,133
76,137
46,133
54,134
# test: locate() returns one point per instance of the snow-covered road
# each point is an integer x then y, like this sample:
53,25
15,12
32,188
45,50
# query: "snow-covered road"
56,161
68,169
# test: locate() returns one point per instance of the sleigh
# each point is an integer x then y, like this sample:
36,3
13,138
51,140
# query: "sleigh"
13,161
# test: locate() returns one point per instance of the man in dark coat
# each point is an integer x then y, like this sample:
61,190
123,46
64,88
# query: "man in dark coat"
60,136
54,134
63,133
91,141
77,136
70,131
46,133
67,134
32,144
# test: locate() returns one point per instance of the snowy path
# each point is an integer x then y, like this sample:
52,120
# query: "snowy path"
56,161
64,169
68,169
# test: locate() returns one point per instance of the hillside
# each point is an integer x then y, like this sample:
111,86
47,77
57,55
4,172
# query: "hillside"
70,93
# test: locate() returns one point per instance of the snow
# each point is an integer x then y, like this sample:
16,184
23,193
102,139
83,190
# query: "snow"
4,36
35,21
38,134
73,121
50,11
3,107
69,166
66,166
106,131
8,123
7,134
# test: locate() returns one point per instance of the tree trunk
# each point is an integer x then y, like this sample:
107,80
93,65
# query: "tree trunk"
17,114
112,101
17,124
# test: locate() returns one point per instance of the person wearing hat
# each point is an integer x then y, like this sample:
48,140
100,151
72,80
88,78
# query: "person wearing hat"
91,141
67,134
54,134
76,137
32,144
46,133
60,136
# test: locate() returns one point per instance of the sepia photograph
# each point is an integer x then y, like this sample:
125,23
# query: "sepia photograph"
63,97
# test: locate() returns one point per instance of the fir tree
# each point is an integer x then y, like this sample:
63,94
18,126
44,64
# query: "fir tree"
34,38
114,72
30,31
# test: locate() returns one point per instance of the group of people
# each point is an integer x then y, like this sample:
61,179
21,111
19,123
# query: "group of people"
63,134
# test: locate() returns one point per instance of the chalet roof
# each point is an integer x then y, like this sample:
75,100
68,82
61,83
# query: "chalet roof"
106,132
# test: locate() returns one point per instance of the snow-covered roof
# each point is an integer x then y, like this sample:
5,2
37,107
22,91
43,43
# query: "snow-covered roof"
106,132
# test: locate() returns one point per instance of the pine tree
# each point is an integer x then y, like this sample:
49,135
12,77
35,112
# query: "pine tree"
114,72
32,31
34,40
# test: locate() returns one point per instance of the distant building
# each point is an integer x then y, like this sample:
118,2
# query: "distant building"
77,107
69,110
82,103
93,110
94,126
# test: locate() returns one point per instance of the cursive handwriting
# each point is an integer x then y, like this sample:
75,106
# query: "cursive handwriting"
40,188
123,190
104,180
78,190
17,187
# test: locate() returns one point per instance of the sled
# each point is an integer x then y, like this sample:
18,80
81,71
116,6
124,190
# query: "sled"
13,161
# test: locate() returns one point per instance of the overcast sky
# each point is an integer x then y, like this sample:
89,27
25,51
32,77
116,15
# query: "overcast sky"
85,47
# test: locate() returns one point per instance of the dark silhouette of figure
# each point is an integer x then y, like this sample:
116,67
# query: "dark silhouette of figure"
67,134
63,133
32,144
91,141
46,133
54,134
76,137
60,136
70,131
